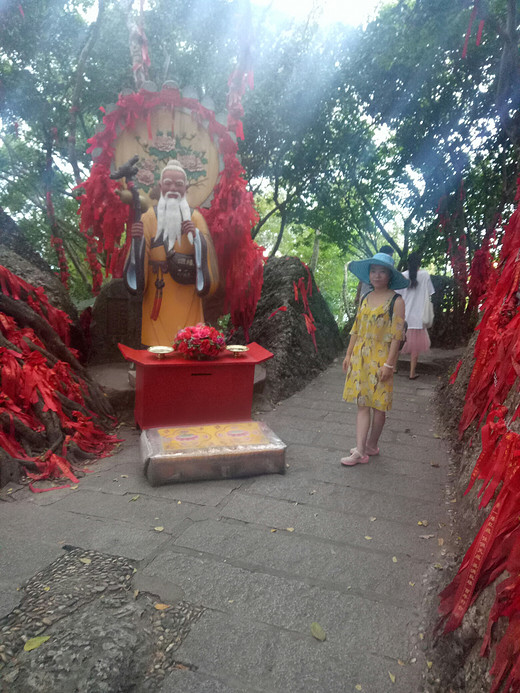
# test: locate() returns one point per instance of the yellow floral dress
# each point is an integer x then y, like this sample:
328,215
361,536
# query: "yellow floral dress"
374,333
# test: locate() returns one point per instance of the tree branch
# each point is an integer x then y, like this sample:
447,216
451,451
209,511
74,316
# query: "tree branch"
280,233
74,108
376,221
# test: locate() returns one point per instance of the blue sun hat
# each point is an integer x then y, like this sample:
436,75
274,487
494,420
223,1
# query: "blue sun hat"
361,269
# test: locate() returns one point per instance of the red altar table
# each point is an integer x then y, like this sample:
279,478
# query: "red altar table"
174,391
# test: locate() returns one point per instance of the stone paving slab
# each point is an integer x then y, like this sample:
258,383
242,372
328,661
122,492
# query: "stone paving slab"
292,554
327,480
280,660
262,588
325,524
288,603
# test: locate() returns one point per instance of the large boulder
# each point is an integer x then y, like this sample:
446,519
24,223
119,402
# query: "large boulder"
296,359
116,317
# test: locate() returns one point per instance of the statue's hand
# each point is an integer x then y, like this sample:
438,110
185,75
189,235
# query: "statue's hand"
137,229
188,226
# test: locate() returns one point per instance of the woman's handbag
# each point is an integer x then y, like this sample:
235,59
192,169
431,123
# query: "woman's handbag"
428,314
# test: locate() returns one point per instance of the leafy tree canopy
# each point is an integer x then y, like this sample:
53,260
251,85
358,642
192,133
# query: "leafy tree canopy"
355,133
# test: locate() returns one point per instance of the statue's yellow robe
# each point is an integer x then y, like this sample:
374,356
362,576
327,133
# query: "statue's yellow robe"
180,305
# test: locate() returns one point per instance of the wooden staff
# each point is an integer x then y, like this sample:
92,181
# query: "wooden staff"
134,266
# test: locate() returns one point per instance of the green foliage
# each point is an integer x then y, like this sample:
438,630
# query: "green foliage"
442,112
356,134
298,241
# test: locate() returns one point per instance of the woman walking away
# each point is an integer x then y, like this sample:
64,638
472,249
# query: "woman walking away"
416,297
372,352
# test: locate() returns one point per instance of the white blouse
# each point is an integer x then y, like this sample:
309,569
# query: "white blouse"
414,299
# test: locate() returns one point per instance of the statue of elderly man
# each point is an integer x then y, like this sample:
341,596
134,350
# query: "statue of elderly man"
176,264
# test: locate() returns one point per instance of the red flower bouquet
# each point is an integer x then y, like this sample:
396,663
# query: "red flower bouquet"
199,342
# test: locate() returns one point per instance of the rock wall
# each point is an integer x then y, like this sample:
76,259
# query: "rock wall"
458,664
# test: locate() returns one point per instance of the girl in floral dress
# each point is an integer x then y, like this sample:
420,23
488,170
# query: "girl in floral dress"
372,352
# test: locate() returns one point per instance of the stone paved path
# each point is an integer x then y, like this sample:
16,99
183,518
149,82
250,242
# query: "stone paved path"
268,556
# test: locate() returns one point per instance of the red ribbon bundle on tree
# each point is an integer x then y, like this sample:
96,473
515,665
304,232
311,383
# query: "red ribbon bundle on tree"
304,291
35,388
495,548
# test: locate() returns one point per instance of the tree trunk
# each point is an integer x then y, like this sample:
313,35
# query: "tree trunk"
315,252
344,292
280,234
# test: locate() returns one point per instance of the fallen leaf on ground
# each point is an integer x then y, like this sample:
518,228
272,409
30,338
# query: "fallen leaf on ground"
124,476
429,664
318,632
86,560
180,666
427,536
134,498
423,523
412,584
46,589
421,636
273,530
159,529
392,677
368,538
440,541
438,566
394,559
161,607
373,519
290,529
359,687
400,662
75,486
33,643
179,502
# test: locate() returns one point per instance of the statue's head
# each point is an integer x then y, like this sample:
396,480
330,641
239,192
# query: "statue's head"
173,208
174,181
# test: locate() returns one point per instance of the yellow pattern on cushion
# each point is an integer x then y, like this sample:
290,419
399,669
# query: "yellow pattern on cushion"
374,336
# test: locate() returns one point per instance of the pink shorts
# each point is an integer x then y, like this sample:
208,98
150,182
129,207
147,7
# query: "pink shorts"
417,341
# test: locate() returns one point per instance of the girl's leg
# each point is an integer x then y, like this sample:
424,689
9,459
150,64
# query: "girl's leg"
413,363
362,428
378,421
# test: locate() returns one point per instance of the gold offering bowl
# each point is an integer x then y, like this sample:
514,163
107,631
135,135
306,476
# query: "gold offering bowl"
237,349
160,351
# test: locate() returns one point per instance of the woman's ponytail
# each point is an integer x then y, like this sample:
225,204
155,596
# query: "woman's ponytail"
414,262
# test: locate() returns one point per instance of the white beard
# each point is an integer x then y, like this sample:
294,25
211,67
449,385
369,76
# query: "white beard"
171,212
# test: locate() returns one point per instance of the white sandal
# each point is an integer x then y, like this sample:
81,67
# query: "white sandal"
354,458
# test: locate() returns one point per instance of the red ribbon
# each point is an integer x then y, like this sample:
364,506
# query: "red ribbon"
281,309
455,373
